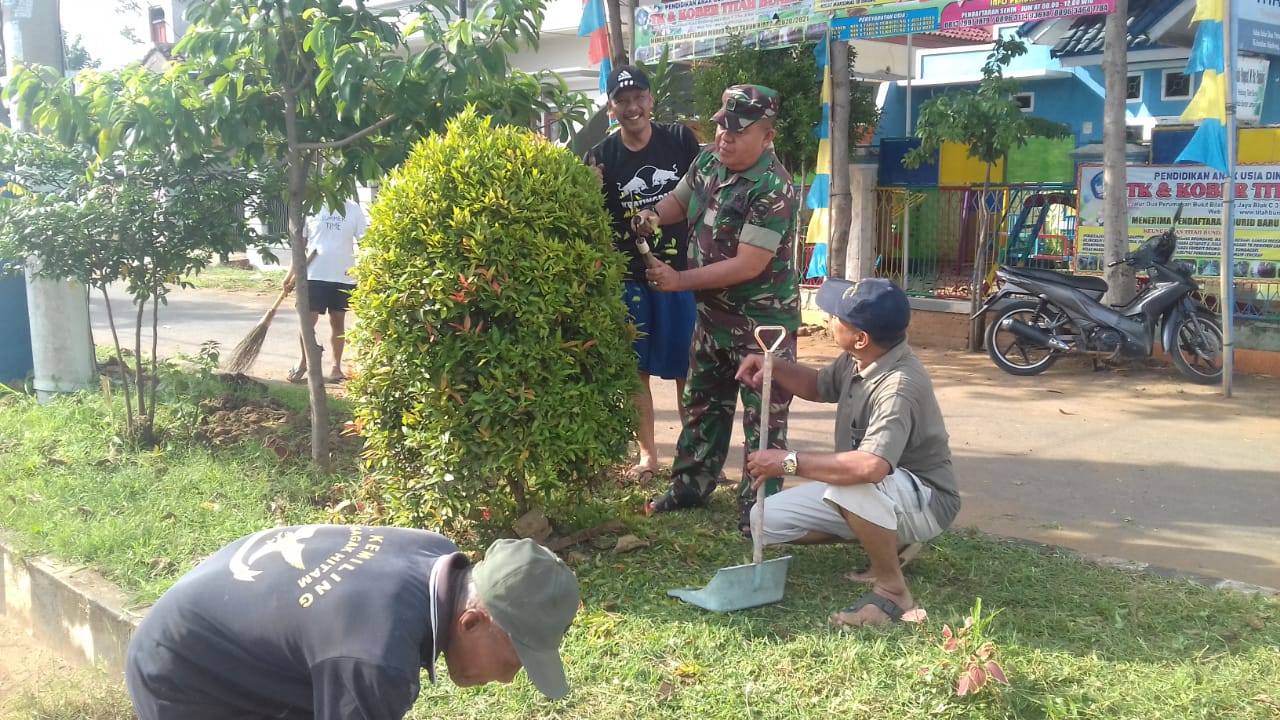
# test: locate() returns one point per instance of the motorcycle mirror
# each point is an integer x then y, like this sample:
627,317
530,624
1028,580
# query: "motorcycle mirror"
1177,215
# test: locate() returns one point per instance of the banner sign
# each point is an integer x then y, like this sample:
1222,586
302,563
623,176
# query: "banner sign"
701,28
887,24
1154,194
1251,86
955,14
858,7
980,13
1259,26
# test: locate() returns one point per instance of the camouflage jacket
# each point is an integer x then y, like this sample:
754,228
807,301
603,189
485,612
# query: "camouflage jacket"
758,207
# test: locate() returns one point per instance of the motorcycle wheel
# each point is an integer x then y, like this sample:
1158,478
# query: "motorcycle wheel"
1198,350
1014,354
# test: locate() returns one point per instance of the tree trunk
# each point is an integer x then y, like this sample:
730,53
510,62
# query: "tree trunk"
1121,286
149,425
978,325
617,46
124,366
840,201
298,164
139,368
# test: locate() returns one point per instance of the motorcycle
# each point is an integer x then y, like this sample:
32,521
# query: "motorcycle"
1041,315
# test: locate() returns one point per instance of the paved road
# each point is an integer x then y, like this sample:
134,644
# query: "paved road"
1129,463
193,317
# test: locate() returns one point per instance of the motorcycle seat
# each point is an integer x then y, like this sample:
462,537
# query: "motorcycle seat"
1083,282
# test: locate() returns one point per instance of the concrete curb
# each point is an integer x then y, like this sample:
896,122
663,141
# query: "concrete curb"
71,610
1135,567
77,613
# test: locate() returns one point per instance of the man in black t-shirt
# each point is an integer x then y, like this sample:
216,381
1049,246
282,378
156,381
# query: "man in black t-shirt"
638,166
337,621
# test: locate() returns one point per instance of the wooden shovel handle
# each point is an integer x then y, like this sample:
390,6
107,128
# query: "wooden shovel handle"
757,539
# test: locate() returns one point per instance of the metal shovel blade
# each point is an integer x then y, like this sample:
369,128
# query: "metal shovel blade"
740,587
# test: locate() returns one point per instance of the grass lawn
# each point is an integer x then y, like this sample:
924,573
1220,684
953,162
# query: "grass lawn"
1075,640
228,277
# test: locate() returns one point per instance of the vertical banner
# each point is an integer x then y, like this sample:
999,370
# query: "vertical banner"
1209,105
820,192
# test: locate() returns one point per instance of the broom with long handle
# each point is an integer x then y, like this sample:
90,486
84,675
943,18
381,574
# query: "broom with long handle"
246,353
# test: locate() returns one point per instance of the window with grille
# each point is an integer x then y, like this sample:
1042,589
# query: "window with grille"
1177,85
1133,88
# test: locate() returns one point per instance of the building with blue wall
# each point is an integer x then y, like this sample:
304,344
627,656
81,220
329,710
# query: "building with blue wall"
1061,74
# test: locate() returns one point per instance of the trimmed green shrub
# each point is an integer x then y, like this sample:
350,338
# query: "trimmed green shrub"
493,353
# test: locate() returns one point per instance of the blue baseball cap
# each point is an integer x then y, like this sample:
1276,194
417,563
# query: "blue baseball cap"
875,306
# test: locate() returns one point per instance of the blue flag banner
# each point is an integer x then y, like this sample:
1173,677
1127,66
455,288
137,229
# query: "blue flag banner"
820,190
1209,106
592,18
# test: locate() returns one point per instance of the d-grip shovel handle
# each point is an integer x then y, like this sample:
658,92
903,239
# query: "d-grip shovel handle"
757,540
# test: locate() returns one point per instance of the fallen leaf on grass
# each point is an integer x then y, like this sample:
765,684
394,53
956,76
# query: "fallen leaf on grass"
666,690
1253,621
628,543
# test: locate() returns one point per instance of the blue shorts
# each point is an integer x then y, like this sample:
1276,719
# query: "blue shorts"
665,321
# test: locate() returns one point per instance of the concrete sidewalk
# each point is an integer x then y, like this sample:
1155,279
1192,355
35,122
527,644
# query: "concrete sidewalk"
1132,463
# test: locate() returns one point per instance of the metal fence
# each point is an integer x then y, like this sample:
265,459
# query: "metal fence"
927,238
930,249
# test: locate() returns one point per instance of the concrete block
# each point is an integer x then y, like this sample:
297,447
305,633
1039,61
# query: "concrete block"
72,610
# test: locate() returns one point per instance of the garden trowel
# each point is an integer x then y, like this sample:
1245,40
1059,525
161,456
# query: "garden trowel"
760,583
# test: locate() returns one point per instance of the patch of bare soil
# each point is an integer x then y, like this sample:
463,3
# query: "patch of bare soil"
31,675
231,420
23,662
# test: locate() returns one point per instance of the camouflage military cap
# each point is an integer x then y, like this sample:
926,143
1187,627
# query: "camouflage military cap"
742,105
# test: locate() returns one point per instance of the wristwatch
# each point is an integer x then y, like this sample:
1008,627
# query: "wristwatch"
790,462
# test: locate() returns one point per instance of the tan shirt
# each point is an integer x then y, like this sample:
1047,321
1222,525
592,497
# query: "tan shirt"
889,410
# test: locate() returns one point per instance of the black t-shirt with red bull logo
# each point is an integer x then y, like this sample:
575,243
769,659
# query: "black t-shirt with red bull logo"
637,180
323,621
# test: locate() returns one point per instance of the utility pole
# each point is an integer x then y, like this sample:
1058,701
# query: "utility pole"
841,201
61,336
1121,285
1227,295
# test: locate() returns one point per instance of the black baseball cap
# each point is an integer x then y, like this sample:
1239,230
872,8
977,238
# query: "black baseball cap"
626,77
876,306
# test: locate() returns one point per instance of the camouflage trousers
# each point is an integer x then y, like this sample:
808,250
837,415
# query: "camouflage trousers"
711,398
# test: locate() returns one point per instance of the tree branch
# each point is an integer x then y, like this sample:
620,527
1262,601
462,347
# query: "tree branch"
350,139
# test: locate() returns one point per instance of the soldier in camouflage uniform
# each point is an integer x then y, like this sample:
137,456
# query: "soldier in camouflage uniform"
742,211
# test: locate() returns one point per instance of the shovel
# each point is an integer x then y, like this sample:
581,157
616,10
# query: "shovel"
760,583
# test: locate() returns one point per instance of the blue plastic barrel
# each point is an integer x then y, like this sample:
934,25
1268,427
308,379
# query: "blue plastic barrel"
15,330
